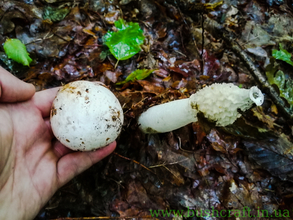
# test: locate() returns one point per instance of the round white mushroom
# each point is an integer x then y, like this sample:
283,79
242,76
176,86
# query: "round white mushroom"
86,116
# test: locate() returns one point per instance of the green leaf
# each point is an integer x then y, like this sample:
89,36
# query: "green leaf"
120,24
16,51
278,78
55,14
282,54
136,75
126,42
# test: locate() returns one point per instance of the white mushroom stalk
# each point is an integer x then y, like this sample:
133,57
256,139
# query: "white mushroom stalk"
218,103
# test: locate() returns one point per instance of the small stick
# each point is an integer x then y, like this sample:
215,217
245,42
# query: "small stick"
134,161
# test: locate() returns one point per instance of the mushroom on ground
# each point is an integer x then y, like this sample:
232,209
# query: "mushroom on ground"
218,102
86,116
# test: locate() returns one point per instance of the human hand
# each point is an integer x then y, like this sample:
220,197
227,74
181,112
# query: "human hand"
32,167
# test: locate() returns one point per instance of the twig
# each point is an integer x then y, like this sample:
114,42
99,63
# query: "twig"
143,166
141,101
166,164
134,161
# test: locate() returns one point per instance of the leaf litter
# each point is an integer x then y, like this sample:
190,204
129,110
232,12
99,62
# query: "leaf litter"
195,168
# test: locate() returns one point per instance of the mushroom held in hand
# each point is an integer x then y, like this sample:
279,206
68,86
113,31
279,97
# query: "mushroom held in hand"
218,103
86,116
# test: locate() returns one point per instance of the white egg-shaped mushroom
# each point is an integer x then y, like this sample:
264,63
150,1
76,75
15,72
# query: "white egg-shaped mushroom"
86,116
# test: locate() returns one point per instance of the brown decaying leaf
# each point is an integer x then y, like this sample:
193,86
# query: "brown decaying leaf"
274,154
198,130
268,120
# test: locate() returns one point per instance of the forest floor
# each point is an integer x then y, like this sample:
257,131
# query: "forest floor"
238,171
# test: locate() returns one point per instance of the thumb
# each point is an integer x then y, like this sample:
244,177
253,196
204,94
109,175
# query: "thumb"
72,164
13,89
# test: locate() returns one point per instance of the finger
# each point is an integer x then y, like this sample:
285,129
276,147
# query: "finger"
75,163
47,122
60,150
13,89
43,100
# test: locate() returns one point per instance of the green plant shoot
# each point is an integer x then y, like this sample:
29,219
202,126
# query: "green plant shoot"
282,54
126,42
16,51
136,75
284,85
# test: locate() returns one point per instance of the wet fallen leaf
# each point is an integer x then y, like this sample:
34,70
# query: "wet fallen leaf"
283,54
126,42
263,117
274,154
16,51
138,74
55,14
278,78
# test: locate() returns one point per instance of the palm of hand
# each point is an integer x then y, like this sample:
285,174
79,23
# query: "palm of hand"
30,171
32,167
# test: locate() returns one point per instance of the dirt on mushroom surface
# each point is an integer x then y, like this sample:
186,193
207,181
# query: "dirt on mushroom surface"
199,169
